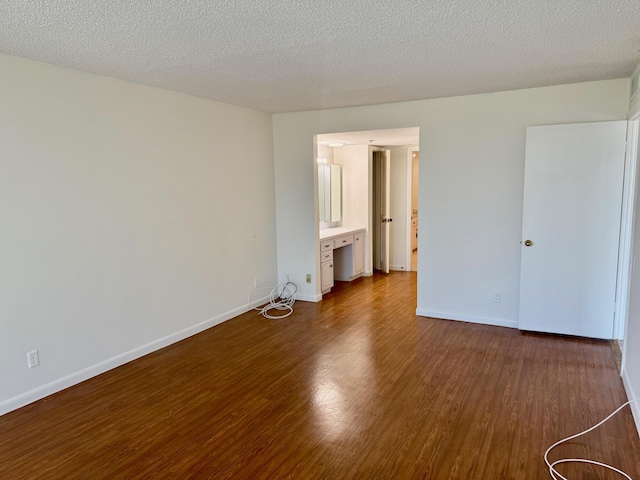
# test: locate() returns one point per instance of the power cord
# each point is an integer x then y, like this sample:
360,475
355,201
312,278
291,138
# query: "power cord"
281,298
552,466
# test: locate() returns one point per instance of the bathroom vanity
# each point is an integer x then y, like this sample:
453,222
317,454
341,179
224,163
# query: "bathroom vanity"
341,255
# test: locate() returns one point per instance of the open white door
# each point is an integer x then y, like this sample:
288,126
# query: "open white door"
571,227
382,208
386,209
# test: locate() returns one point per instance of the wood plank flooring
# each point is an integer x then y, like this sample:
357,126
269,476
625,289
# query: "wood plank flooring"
354,387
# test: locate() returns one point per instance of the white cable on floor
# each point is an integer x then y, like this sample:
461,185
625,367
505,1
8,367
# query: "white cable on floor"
557,476
282,298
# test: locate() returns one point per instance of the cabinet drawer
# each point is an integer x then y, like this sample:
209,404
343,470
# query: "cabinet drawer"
326,245
326,256
342,241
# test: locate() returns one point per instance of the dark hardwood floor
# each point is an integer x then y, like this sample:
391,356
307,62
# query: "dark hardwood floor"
355,386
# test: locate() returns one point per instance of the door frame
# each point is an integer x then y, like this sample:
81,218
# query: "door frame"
381,173
410,150
625,249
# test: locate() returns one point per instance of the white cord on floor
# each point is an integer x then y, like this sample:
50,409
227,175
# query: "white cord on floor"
557,476
282,298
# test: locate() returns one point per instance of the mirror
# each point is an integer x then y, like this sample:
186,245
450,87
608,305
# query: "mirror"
330,193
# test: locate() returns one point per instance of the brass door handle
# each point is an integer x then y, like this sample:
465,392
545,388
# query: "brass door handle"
528,243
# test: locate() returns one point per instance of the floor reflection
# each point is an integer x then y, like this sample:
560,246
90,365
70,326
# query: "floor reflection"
341,368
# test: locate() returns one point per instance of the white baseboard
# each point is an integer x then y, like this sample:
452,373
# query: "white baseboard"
308,297
498,322
399,268
111,363
635,407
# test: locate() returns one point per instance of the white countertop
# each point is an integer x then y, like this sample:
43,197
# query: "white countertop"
337,231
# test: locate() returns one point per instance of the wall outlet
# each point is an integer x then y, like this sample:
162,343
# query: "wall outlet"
256,282
497,297
33,358
308,278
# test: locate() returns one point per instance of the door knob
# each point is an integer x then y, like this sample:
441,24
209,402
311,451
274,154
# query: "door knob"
528,243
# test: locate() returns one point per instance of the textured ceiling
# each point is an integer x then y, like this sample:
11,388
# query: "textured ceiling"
278,56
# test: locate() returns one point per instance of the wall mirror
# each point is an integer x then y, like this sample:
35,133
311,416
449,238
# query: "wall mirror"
330,193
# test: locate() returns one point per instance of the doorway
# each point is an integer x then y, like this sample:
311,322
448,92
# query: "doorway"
353,151
382,218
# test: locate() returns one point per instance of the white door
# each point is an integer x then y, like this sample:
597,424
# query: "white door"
571,225
382,209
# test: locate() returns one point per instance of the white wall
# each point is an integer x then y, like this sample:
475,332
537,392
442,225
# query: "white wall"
471,186
634,104
355,190
127,216
399,208
355,185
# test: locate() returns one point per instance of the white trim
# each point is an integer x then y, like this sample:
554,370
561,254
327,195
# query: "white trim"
399,268
626,292
635,407
317,277
408,212
626,232
497,322
410,150
113,362
308,297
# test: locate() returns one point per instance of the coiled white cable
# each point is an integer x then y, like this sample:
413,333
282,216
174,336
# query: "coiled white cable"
281,298
557,476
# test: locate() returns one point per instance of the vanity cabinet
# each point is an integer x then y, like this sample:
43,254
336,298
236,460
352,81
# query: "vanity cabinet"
341,256
326,270
326,245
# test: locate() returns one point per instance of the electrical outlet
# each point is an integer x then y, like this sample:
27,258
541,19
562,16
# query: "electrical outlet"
308,278
33,358
256,282
497,297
